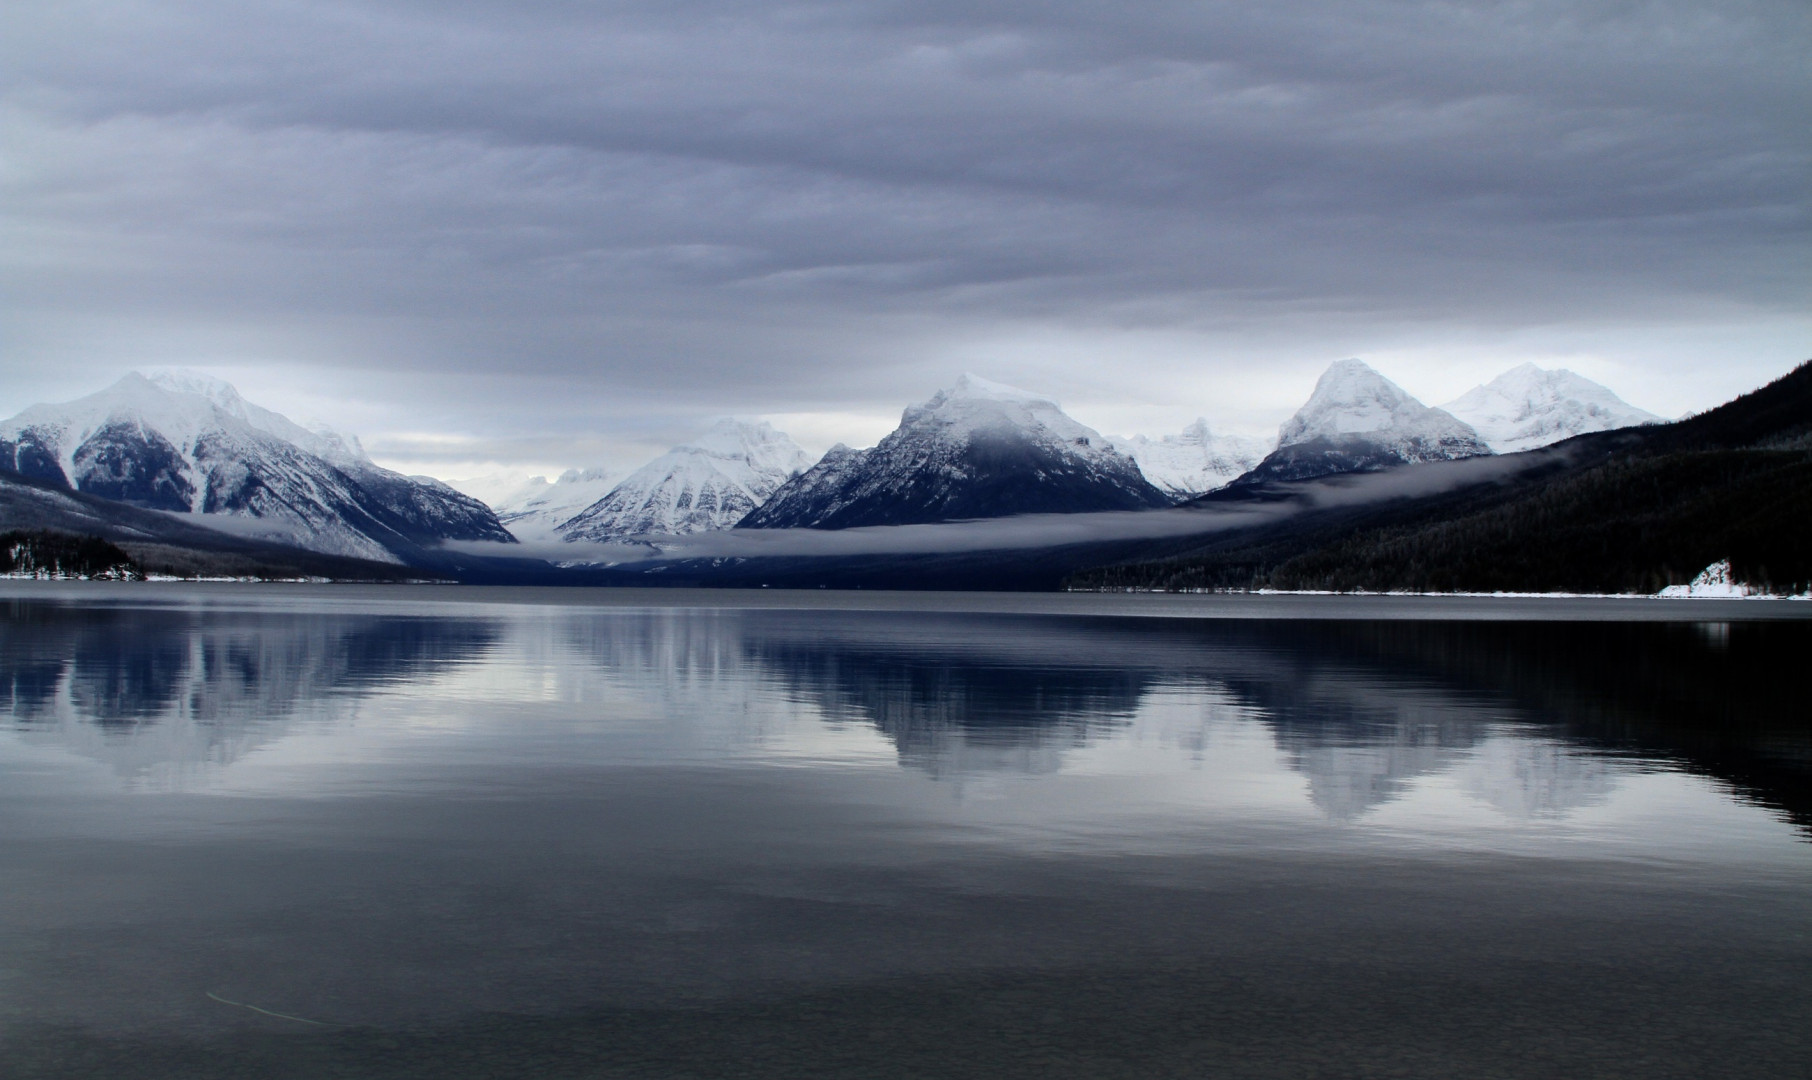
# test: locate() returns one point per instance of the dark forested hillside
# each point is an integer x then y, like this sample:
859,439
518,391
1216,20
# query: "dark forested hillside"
61,555
1640,509
165,544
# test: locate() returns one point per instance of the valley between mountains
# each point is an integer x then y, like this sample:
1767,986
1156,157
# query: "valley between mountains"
1539,481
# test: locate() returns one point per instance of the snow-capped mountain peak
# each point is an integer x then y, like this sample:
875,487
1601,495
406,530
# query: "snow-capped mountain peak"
1352,398
1527,407
1356,420
975,449
709,483
973,404
60,430
194,387
183,442
179,406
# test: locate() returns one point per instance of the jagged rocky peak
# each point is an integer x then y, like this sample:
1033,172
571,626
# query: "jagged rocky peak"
179,406
976,449
1196,461
709,483
1356,420
1529,407
188,443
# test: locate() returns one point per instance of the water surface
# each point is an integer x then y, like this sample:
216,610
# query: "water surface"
393,832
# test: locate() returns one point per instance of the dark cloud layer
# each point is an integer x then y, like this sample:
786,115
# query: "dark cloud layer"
598,212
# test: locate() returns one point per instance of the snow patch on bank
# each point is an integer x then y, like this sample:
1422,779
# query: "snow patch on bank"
1716,582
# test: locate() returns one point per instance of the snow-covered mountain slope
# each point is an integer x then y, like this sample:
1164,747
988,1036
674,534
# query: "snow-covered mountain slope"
1527,407
1359,421
707,484
536,509
1194,462
977,449
189,444
825,484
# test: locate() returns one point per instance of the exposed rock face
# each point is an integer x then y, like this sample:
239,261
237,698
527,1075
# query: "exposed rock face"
977,449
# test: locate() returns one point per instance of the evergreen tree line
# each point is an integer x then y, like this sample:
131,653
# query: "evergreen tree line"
64,555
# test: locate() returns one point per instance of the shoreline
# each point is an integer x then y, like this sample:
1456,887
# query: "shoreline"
429,598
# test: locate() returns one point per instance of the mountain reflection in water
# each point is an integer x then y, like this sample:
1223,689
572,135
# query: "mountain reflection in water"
148,690
359,833
1526,713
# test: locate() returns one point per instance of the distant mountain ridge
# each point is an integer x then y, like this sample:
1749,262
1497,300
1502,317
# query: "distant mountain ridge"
1195,462
536,510
187,444
976,449
710,483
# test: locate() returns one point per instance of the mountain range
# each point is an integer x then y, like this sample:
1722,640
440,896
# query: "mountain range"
983,449
183,468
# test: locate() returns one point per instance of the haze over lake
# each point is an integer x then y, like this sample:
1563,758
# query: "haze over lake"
287,831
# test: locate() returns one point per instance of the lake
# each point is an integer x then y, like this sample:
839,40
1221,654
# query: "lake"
395,831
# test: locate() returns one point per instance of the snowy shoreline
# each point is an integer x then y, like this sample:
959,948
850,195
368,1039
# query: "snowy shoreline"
1665,594
1715,582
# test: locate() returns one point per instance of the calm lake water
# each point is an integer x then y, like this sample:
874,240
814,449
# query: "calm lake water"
387,832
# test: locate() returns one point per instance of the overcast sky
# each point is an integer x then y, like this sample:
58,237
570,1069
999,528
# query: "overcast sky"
556,232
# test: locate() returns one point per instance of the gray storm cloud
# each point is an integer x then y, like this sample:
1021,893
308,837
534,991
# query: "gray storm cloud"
561,214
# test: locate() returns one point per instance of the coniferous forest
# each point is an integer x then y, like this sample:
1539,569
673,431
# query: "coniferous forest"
63,555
